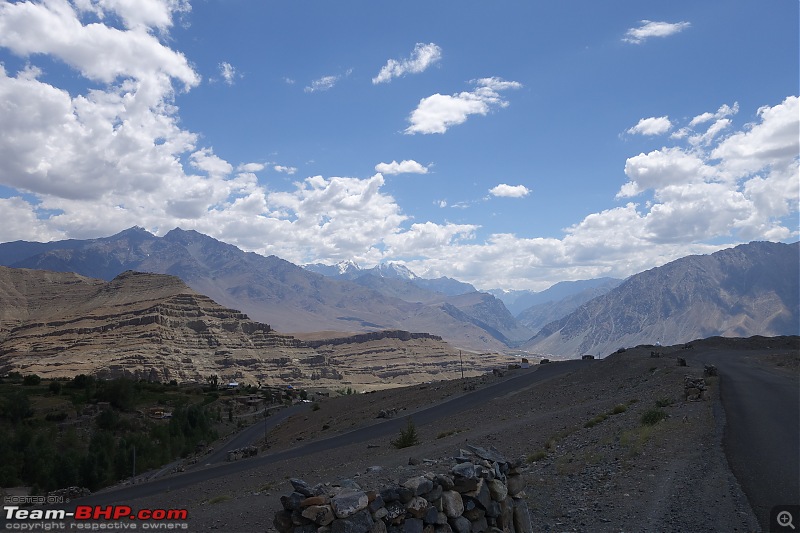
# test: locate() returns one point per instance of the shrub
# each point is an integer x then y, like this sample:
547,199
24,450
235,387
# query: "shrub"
653,417
594,421
31,380
536,456
619,408
408,437
664,402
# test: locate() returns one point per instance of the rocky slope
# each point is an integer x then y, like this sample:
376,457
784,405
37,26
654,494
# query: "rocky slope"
560,305
590,464
153,326
752,289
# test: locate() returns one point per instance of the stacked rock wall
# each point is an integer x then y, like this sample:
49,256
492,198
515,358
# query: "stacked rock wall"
481,492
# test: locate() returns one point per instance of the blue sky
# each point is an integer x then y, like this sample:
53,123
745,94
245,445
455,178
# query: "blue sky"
507,144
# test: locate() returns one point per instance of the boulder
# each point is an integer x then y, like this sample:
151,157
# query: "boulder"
319,514
347,503
360,522
452,504
522,518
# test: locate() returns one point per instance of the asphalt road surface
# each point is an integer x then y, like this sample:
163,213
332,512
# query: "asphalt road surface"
124,495
762,434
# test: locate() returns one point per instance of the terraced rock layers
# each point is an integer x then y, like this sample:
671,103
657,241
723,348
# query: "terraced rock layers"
153,326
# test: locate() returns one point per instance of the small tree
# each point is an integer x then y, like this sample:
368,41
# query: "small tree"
31,380
408,437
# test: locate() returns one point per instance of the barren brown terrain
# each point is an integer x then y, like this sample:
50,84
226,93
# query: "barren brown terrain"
590,462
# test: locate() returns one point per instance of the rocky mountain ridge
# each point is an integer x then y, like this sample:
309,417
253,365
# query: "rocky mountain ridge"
752,289
268,289
154,327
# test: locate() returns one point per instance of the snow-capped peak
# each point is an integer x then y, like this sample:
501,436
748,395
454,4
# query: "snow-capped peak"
394,270
347,266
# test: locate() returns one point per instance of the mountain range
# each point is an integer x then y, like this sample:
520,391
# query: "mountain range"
752,289
747,290
268,289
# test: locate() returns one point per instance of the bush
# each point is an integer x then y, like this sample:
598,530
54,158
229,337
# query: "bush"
664,402
619,408
536,456
31,380
408,437
653,417
594,421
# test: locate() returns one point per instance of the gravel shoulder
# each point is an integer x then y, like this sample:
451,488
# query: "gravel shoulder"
590,463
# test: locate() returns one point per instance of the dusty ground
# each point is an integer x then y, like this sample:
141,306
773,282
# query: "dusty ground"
585,472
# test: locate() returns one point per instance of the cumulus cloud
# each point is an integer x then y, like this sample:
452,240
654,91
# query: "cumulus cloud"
438,112
284,169
251,167
406,166
423,56
702,193
53,28
136,14
649,29
651,126
510,191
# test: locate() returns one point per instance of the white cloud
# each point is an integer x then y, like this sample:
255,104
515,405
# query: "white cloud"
406,166
251,167
423,56
285,170
322,84
650,29
136,14
510,191
437,113
651,126
325,83
743,186
53,28
227,72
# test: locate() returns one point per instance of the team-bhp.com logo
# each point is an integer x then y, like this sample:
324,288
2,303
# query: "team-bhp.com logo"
94,517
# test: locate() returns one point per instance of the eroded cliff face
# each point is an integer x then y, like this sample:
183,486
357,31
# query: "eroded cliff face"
152,326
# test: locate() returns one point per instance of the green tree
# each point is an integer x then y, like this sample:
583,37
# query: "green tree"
55,387
17,407
408,436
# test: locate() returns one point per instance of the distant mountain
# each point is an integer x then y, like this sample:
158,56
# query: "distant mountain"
564,302
350,270
752,289
518,301
268,289
459,300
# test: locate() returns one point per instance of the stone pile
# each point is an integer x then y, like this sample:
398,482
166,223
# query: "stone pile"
481,492
694,388
242,453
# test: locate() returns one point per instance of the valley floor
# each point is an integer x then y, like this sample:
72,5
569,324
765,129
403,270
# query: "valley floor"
591,464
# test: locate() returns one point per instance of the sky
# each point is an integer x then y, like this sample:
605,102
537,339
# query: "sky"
507,144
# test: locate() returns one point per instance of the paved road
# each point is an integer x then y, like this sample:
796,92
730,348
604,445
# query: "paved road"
251,434
124,495
762,435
